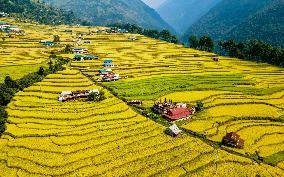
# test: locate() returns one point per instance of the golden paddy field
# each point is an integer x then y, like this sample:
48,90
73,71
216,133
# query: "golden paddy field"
108,138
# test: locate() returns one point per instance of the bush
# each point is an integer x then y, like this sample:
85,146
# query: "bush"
3,119
94,97
199,106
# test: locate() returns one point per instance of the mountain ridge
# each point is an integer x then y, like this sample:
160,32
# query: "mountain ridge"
240,20
105,12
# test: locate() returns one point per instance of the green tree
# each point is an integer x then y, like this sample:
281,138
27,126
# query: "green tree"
199,105
56,38
41,71
10,83
3,118
206,43
68,49
193,41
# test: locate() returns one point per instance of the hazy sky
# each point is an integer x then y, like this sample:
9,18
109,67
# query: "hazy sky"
154,3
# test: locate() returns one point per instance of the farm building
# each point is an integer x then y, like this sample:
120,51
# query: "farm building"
66,96
79,58
48,43
135,102
177,113
108,64
215,59
3,14
173,131
14,29
107,61
80,50
4,25
133,39
172,111
232,139
103,72
90,57
111,77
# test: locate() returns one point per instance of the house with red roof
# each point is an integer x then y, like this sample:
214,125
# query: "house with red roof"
177,113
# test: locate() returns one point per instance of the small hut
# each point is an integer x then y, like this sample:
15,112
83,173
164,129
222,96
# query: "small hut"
173,131
216,59
232,139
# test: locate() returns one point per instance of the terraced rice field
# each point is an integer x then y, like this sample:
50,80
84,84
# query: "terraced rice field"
238,95
21,55
48,138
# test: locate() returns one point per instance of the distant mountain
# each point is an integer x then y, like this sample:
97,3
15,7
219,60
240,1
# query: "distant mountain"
243,19
102,12
33,10
267,25
154,3
181,14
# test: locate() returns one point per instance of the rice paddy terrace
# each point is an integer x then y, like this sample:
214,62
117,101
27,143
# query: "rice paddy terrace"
47,138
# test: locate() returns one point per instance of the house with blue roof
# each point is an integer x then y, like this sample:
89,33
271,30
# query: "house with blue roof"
90,57
107,61
49,43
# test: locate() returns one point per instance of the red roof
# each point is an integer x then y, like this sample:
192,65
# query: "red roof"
177,113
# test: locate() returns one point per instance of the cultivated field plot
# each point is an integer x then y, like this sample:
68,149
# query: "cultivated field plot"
239,96
48,138
21,55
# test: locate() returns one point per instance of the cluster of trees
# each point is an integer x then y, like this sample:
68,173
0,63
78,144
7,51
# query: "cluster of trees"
10,87
253,50
205,43
37,11
94,97
164,35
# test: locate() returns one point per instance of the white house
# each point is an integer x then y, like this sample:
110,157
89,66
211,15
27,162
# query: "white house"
174,130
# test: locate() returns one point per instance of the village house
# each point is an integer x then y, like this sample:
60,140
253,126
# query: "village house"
80,50
3,14
133,38
177,113
136,102
49,43
4,25
108,76
215,59
108,64
78,58
173,131
66,96
232,139
46,43
111,77
14,29
90,57
173,112
103,72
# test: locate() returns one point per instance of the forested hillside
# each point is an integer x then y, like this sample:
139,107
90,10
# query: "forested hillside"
183,14
36,11
242,19
99,12
267,24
